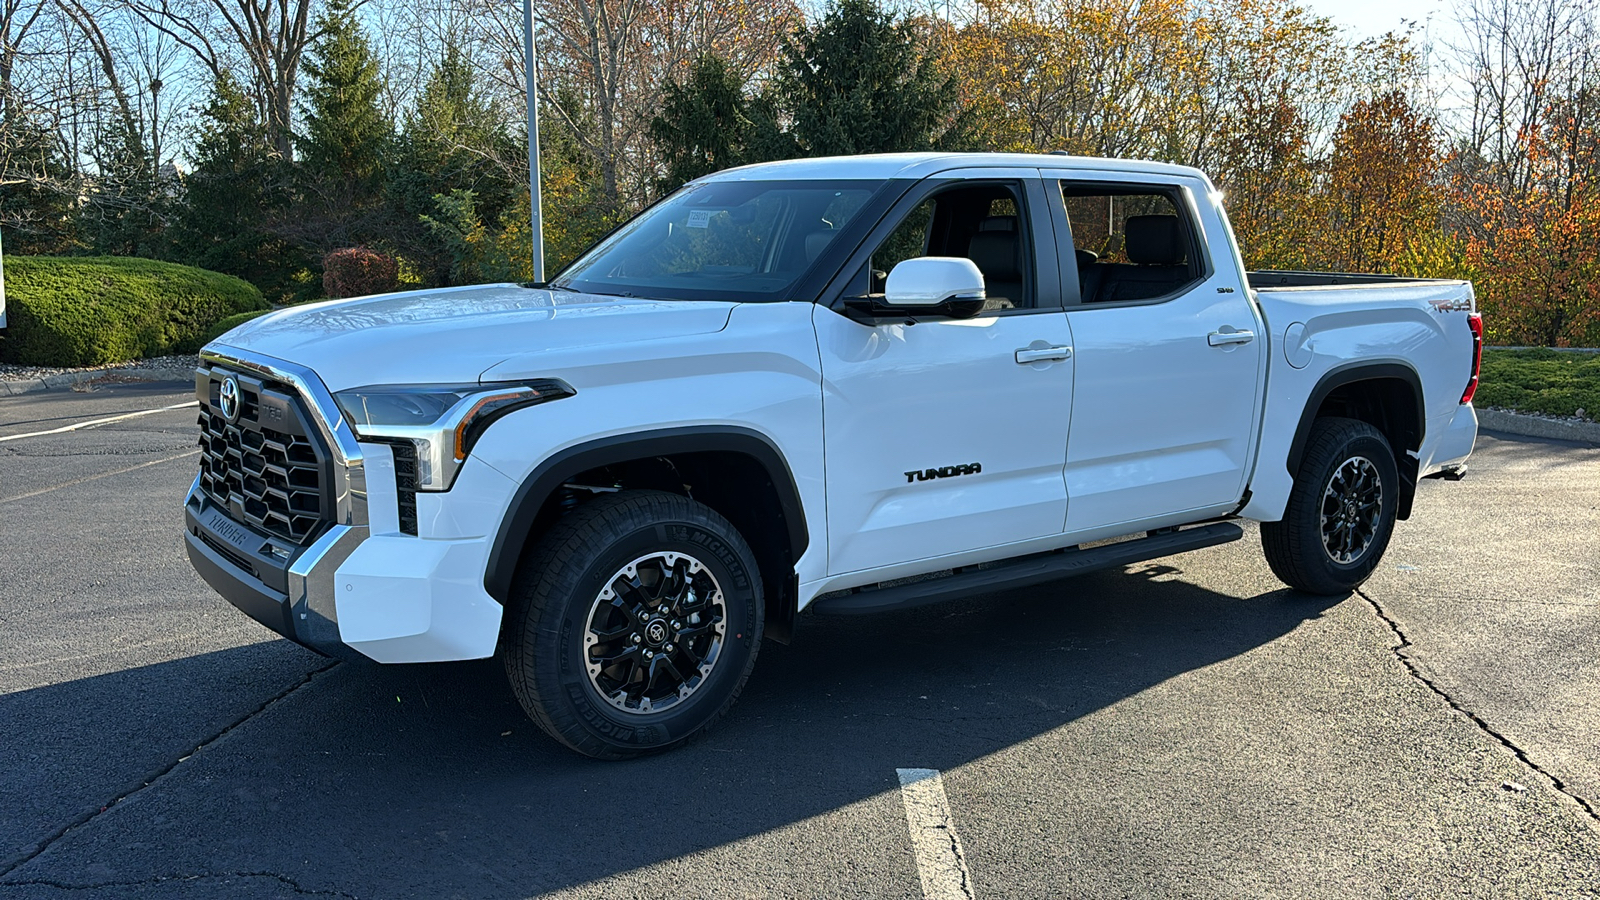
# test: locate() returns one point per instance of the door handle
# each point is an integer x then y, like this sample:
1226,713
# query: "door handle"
1222,338
1043,354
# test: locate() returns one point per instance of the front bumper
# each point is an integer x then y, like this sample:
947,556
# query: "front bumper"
291,595
352,594
361,588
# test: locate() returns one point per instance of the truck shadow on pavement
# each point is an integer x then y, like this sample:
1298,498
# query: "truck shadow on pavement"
429,781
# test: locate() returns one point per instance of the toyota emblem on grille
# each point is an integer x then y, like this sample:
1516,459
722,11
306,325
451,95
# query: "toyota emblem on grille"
228,399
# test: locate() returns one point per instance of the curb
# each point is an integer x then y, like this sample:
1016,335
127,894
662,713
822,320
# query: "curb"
1538,426
68,380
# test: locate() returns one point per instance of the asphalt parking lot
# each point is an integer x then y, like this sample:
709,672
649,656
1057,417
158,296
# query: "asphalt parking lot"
1184,728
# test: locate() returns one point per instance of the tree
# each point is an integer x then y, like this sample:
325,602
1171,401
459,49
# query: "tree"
603,64
861,82
1380,195
453,142
271,37
345,133
238,183
1267,173
344,142
704,123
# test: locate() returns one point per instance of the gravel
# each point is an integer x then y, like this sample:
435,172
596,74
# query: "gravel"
176,366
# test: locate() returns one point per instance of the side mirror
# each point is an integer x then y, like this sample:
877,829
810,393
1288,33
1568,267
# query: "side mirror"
932,281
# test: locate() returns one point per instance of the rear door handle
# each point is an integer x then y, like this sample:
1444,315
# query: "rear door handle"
1043,354
1222,338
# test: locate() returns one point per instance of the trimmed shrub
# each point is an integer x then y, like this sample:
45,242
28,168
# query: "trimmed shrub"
1550,382
357,272
229,324
90,311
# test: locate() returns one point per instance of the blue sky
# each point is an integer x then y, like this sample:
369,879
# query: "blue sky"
1374,17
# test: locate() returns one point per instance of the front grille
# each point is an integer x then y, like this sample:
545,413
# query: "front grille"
267,467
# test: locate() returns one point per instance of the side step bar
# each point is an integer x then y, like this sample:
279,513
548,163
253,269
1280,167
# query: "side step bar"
1027,571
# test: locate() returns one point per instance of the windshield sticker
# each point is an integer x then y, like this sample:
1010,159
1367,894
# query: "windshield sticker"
700,218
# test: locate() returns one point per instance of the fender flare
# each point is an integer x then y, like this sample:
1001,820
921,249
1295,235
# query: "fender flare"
1351,373
562,466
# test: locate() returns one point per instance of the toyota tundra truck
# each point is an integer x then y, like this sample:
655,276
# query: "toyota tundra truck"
839,385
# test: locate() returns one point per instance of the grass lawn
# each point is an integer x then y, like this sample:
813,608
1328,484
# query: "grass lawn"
1540,381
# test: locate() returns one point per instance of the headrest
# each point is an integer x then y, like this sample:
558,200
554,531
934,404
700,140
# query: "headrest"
995,254
999,223
816,241
1086,257
1155,241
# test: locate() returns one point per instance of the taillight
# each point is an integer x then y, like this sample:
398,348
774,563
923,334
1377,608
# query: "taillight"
1475,322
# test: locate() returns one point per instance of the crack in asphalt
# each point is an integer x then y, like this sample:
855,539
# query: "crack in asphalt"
1411,666
162,879
17,861
961,861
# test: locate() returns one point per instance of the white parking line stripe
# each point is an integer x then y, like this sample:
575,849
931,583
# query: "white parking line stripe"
940,861
93,422
57,487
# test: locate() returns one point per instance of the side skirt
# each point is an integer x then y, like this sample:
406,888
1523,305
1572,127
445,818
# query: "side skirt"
1025,571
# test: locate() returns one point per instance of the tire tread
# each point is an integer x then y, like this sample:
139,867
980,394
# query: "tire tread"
548,575
1293,547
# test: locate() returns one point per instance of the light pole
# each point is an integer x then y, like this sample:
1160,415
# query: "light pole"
535,194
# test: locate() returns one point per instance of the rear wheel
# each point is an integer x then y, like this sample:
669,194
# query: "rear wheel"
1341,511
635,622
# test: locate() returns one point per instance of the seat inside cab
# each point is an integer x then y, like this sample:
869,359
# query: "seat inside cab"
981,222
1130,246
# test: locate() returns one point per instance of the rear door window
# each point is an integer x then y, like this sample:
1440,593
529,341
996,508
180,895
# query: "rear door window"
1132,243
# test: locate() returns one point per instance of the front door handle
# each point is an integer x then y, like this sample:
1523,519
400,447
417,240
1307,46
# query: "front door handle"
1222,338
1043,354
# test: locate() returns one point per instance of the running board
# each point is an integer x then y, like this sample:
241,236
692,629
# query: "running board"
1026,571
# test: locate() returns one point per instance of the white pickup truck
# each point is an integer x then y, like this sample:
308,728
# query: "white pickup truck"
795,386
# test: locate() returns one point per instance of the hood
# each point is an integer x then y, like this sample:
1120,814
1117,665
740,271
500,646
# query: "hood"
454,335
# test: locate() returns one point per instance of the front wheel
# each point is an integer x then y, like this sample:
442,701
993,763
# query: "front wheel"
1341,511
635,623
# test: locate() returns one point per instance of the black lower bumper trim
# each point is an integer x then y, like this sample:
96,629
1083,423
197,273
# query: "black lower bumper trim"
266,606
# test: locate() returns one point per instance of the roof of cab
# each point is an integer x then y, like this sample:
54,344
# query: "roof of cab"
921,165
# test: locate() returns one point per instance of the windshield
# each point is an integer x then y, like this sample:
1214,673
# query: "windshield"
727,240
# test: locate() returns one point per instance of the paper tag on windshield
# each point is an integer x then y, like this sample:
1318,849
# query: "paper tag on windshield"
699,218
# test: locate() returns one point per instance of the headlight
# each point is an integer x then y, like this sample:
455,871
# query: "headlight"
442,421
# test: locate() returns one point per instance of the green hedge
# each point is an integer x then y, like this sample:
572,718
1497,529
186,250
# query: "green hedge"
1552,382
89,311
229,324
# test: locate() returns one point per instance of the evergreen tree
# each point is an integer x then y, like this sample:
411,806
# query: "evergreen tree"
237,185
704,125
345,131
344,144
454,141
37,203
859,83
125,212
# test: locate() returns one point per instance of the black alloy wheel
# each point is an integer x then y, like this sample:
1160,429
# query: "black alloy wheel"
1341,510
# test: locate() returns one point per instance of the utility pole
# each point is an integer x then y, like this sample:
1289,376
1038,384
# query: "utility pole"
535,193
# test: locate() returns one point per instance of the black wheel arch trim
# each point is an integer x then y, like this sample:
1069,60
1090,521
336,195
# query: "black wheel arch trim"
559,468
1351,373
